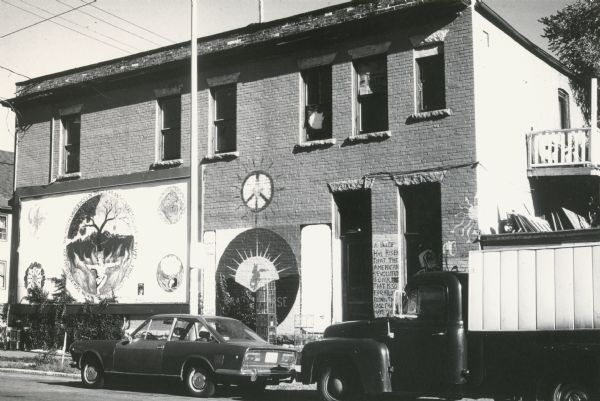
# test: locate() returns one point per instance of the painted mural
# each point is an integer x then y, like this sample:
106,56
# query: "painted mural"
169,273
258,271
100,245
34,276
172,205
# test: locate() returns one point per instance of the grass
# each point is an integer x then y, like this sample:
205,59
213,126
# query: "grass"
47,361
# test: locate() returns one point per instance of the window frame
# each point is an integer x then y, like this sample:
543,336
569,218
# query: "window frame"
70,147
215,122
325,95
431,54
3,274
359,99
564,112
167,132
4,231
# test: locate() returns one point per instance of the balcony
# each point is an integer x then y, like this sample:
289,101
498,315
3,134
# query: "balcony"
573,151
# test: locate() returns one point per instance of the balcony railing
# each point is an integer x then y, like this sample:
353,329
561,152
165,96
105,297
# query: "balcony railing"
565,147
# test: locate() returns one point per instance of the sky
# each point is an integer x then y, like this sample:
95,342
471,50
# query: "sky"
107,29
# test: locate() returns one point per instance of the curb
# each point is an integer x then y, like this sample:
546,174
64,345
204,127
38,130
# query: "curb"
39,372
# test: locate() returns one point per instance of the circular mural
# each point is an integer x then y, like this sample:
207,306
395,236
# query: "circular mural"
100,245
171,205
258,268
34,276
169,273
257,191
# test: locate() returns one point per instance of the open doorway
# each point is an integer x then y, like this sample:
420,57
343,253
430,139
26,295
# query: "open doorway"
354,211
422,227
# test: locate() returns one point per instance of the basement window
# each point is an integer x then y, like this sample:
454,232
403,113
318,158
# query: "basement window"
71,132
317,103
431,81
371,94
224,119
170,127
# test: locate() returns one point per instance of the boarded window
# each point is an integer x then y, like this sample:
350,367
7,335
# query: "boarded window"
317,112
170,128
431,91
372,102
563,104
71,134
224,101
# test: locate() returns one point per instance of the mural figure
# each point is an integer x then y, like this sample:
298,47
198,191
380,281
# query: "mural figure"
100,245
172,205
34,276
36,218
468,223
169,273
259,262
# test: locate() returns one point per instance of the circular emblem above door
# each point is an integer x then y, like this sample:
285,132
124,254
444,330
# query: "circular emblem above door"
257,190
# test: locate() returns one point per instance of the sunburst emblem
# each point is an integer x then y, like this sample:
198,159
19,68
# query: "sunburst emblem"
256,268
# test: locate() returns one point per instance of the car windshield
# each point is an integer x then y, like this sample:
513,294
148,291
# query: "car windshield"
233,330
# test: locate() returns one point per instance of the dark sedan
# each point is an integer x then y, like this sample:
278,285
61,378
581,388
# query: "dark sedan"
201,351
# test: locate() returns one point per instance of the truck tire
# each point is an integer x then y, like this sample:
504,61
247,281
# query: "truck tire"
337,383
564,390
92,374
199,382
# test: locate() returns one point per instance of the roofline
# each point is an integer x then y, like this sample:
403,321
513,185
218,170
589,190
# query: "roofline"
487,12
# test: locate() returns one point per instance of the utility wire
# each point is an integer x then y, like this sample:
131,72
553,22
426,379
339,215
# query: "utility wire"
69,28
132,23
82,26
14,72
45,19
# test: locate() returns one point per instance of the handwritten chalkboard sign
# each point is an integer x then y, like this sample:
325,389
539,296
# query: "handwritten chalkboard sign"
386,271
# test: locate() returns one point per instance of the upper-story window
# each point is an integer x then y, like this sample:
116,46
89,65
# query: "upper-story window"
170,127
3,227
2,275
317,103
371,94
563,104
224,119
431,80
71,133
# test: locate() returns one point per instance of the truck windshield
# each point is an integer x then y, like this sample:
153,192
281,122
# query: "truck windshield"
428,302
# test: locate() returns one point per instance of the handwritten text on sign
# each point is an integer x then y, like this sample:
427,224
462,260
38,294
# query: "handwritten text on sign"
385,273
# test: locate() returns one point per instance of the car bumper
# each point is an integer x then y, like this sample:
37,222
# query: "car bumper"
252,375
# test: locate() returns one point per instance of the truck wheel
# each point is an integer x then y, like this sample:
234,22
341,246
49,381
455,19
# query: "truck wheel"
199,382
565,390
92,375
337,383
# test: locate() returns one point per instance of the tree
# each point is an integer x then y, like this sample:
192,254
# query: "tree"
574,36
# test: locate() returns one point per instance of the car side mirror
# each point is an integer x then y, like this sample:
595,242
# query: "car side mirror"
127,336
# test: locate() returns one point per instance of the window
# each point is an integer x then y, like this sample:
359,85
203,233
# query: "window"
3,227
317,103
2,275
157,329
170,127
71,126
427,302
224,119
563,104
431,81
372,102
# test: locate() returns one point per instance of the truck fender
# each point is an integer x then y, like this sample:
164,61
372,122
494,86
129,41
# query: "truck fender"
368,357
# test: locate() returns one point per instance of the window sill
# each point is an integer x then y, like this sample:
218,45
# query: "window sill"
429,115
318,144
69,176
369,137
222,156
166,164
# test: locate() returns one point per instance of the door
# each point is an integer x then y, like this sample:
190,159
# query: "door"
357,277
420,350
144,353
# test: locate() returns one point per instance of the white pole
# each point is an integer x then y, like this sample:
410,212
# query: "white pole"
594,121
62,361
194,265
260,11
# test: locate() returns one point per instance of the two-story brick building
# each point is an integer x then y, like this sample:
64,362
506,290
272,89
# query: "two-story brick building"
343,150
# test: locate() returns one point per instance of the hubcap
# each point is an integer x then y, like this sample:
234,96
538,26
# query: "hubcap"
198,380
335,386
91,373
570,392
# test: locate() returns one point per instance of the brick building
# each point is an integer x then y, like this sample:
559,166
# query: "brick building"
344,150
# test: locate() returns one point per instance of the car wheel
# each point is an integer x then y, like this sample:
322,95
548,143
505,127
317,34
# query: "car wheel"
199,382
92,375
564,390
337,383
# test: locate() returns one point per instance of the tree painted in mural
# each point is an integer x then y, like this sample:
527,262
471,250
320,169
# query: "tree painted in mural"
100,245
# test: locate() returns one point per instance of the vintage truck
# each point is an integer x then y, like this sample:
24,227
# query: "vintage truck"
521,325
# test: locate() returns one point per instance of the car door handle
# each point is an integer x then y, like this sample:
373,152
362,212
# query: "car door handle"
160,347
441,333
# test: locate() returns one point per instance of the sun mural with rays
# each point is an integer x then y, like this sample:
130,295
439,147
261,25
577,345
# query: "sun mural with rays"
258,270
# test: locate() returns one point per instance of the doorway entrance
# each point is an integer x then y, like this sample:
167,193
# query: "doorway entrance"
422,227
354,211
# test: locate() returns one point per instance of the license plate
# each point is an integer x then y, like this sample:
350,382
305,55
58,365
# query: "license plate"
271,357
